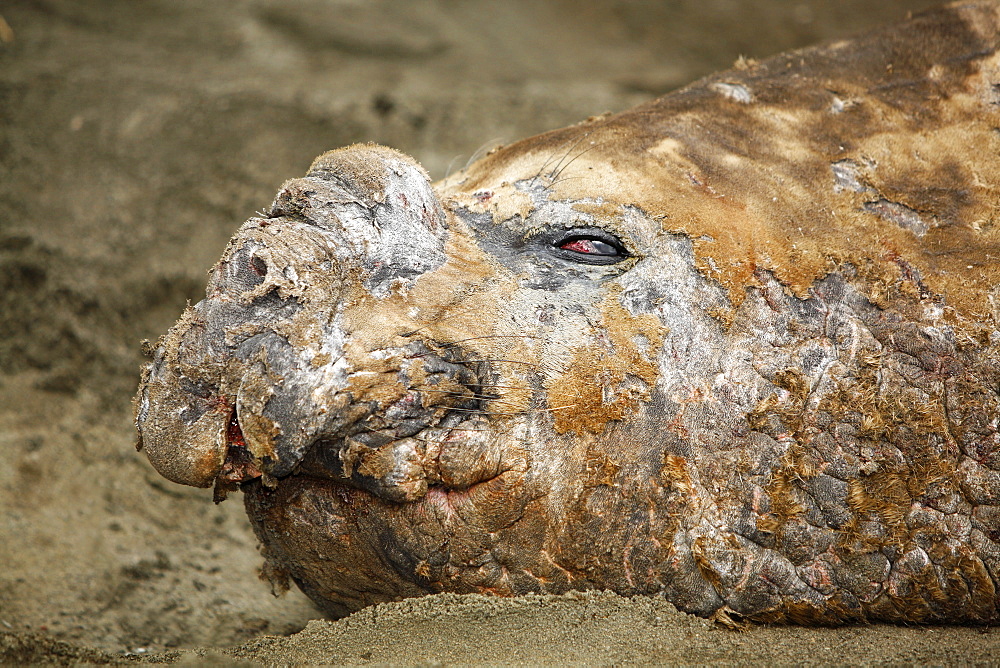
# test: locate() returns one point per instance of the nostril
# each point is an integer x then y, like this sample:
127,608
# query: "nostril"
258,265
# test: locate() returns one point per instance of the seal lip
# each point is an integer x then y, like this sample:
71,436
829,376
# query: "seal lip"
435,493
596,234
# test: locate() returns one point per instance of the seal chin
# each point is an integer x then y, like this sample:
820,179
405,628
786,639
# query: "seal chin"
354,547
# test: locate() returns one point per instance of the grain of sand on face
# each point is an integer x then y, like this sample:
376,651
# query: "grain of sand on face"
134,137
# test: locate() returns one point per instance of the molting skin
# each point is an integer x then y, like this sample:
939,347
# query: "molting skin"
737,347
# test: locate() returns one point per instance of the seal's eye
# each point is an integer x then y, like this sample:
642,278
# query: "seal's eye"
590,247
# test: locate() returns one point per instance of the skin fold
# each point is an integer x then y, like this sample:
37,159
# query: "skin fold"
737,347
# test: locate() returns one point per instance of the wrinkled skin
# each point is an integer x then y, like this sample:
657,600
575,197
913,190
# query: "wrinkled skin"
737,347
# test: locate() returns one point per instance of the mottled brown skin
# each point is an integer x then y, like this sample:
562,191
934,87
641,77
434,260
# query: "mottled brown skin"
778,400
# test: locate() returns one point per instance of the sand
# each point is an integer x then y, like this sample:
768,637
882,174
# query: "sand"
134,138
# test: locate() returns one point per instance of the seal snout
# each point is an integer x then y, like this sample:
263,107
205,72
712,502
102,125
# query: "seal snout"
270,342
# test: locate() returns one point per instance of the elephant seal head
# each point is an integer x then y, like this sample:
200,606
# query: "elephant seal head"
736,347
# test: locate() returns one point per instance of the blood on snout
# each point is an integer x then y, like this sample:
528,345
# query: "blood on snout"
239,465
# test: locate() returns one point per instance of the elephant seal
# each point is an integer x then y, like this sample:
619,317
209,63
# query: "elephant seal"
737,347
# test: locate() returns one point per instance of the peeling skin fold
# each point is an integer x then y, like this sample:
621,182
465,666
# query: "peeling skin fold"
736,347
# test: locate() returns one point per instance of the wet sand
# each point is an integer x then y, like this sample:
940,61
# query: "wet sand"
134,139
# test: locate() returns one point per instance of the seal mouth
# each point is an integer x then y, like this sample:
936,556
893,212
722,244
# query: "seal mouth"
437,433
407,470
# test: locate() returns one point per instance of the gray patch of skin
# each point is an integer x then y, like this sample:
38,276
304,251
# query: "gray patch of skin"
847,176
733,91
387,236
387,233
899,214
717,378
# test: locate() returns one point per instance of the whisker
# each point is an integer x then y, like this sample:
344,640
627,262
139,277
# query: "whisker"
451,163
444,317
483,148
540,170
485,412
498,359
556,170
492,336
469,395
481,397
438,442
506,387
477,360
552,157
484,385
568,178
505,404
524,412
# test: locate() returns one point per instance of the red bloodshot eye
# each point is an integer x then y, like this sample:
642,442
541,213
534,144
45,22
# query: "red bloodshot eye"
590,247
594,247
